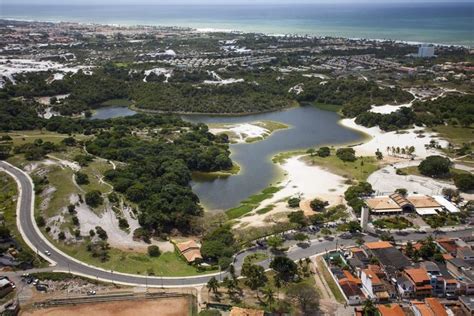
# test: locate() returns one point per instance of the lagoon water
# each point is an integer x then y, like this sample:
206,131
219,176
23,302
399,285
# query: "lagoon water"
449,22
309,127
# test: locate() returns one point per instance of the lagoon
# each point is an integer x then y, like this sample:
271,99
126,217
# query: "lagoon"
309,127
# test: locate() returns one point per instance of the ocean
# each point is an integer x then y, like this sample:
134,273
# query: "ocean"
442,23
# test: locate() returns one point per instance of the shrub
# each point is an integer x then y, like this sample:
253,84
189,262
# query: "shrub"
94,198
318,205
464,182
154,251
434,166
82,178
294,202
346,154
324,152
40,221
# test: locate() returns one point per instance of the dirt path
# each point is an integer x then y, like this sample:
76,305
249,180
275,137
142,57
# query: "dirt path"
163,307
327,301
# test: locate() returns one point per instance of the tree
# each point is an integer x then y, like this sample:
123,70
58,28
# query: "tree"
318,205
61,236
275,241
346,154
300,236
269,295
294,202
94,198
154,251
40,221
285,268
4,232
255,276
324,152
304,295
378,154
464,181
401,191
71,208
298,218
369,308
434,166
75,220
101,233
311,151
81,178
213,285
353,227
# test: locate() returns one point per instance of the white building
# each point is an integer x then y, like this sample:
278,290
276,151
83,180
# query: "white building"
426,51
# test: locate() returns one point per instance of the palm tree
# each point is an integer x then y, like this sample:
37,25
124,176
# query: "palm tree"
269,295
369,309
213,285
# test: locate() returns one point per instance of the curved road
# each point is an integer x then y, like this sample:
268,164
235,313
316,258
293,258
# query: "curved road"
65,263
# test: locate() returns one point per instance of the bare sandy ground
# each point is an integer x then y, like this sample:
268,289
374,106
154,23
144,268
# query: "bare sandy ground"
163,307
381,140
302,180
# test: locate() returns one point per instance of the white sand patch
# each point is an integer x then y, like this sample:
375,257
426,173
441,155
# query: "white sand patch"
307,182
117,237
67,164
242,131
159,71
303,180
381,140
9,67
390,108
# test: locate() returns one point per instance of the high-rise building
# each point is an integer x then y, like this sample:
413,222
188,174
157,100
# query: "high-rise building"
426,51
364,218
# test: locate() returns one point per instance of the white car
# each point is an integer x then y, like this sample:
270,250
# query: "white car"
46,252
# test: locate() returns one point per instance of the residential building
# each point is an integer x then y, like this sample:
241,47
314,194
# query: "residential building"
420,280
190,250
373,285
467,305
391,310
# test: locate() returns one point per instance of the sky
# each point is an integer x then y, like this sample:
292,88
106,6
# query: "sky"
216,2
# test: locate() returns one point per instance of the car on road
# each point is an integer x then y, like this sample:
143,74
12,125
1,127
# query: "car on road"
91,292
46,252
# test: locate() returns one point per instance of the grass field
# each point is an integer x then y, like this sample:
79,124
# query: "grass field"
95,171
251,203
330,281
455,134
358,170
415,172
24,137
8,200
167,264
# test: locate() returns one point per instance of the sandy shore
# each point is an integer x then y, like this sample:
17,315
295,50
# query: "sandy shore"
303,180
381,140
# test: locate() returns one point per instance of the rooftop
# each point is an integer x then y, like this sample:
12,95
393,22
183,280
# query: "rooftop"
383,204
418,275
378,245
423,201
391,310
239,311
436,306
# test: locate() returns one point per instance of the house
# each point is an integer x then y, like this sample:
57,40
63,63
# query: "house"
420,280
373,285
465,253
390,258
391,310
352,292
467,305
239,311
436,306
463,271
190,250
405,287
5,287
397,203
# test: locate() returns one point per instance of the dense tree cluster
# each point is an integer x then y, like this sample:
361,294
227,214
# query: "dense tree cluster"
435,166
355,96
453,108
158,171
400,119
218,245
355,193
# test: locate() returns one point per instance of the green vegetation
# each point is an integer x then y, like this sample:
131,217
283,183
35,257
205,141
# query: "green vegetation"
396,222
255,257
330,281
355,193
435,166
251,203
358,170
354,96
329,215
443,219
327,107
8,199
167,264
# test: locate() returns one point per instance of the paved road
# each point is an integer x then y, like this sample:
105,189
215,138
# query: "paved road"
65,263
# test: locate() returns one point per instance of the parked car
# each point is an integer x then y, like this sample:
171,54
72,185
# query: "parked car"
46,252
